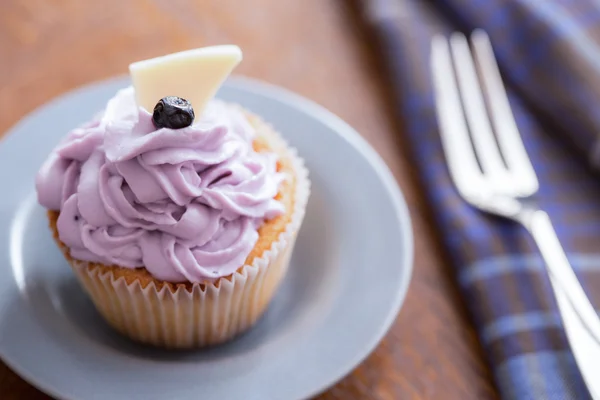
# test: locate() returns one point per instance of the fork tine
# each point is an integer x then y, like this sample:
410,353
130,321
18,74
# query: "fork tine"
509,139
463,166
475,111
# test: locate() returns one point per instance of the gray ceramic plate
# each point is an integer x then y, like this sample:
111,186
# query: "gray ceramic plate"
349,274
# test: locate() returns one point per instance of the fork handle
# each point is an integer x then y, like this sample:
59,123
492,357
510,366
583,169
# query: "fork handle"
539,225
584,347
579,317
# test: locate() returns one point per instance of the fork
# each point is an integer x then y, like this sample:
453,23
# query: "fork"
493,173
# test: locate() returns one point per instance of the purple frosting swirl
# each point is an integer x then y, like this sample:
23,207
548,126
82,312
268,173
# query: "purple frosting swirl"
185,204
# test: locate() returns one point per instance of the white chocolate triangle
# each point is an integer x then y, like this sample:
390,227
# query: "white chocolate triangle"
194,75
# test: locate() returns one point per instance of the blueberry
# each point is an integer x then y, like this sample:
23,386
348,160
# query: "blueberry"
173,112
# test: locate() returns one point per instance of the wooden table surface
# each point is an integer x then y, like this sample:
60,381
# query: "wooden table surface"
317,48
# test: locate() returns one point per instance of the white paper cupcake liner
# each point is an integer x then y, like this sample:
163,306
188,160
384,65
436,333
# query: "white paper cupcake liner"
205,314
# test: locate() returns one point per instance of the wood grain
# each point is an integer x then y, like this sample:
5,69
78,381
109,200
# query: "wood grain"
317,48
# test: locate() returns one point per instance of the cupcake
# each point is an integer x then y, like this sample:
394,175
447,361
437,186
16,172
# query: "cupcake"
179,221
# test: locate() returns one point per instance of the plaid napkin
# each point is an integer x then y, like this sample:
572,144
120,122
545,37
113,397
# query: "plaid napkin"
549,52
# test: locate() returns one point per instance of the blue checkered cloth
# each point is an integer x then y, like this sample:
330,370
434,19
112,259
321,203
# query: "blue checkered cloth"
549,53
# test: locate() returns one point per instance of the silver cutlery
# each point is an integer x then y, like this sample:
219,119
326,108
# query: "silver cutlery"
491,170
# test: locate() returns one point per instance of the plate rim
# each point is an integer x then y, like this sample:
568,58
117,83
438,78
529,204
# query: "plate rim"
313,110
